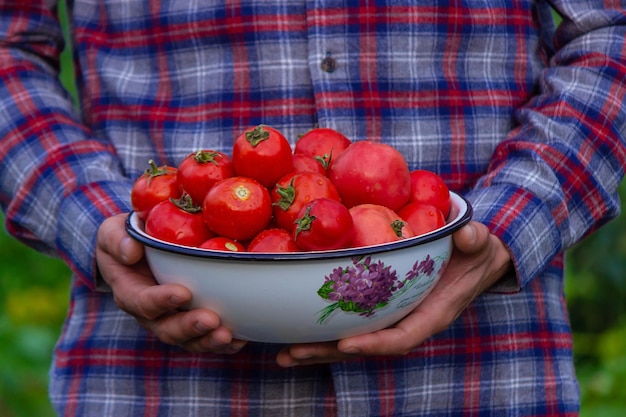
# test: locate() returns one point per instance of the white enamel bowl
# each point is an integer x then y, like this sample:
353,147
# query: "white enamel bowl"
307,296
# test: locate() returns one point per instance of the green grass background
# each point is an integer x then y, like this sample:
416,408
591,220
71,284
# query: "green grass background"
34,298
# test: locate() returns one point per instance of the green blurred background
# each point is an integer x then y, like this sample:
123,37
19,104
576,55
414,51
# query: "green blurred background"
34,297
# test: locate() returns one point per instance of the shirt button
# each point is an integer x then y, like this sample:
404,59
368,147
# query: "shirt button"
328,64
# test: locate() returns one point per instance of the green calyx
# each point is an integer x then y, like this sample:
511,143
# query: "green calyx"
257,135
325,159
304,223
204,157
287,196
154,170
397,226
185,203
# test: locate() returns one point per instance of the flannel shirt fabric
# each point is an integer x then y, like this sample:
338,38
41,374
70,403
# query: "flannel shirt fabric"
527,121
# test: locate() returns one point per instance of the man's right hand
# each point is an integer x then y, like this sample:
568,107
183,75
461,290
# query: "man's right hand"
156,307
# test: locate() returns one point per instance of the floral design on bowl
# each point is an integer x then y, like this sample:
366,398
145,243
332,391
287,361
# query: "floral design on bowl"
367,286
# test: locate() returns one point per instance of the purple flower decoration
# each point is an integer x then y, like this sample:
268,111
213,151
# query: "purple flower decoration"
366,286
360,287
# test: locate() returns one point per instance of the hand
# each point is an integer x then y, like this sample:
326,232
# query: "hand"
156,307
478,261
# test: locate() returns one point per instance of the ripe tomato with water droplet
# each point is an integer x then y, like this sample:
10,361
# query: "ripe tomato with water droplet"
422,217
200,170
238,208
156,184
428,187
371,173
177,221
295,190
262,153
323,144
323,224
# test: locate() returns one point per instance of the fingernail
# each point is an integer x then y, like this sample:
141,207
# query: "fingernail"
471,231
351,350
234,349
125,248
176,301
201,327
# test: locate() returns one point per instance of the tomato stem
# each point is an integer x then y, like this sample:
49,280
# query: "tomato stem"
287,195
304,223
154,170
325,159
204,157
257,135
186,203
397,226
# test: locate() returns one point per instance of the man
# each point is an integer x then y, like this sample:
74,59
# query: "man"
525,121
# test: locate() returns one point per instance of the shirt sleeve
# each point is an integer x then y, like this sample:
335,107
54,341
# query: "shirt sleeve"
57,182
555,178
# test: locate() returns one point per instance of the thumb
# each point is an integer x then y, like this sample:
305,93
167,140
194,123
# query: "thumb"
113,239
471,238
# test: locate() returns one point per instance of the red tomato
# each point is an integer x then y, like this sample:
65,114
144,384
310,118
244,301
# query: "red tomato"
273,240
375,224
156,184
422,217
237,207
262,153
295,190
223,243
324,224
371,173
306,163
428,187
200,170
177,221
322,143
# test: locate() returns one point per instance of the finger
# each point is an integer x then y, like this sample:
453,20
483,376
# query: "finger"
113,239
195,331
484,250
219,341
310,353
144,299
471,238
178,328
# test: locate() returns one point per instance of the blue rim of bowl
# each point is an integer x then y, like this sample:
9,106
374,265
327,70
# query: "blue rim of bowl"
136,233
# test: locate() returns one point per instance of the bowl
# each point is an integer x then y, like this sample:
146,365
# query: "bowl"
301,297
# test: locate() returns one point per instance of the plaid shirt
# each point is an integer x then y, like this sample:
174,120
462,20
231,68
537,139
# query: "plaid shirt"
526,121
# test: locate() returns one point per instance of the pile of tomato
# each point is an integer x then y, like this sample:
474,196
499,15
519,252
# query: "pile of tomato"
326,193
